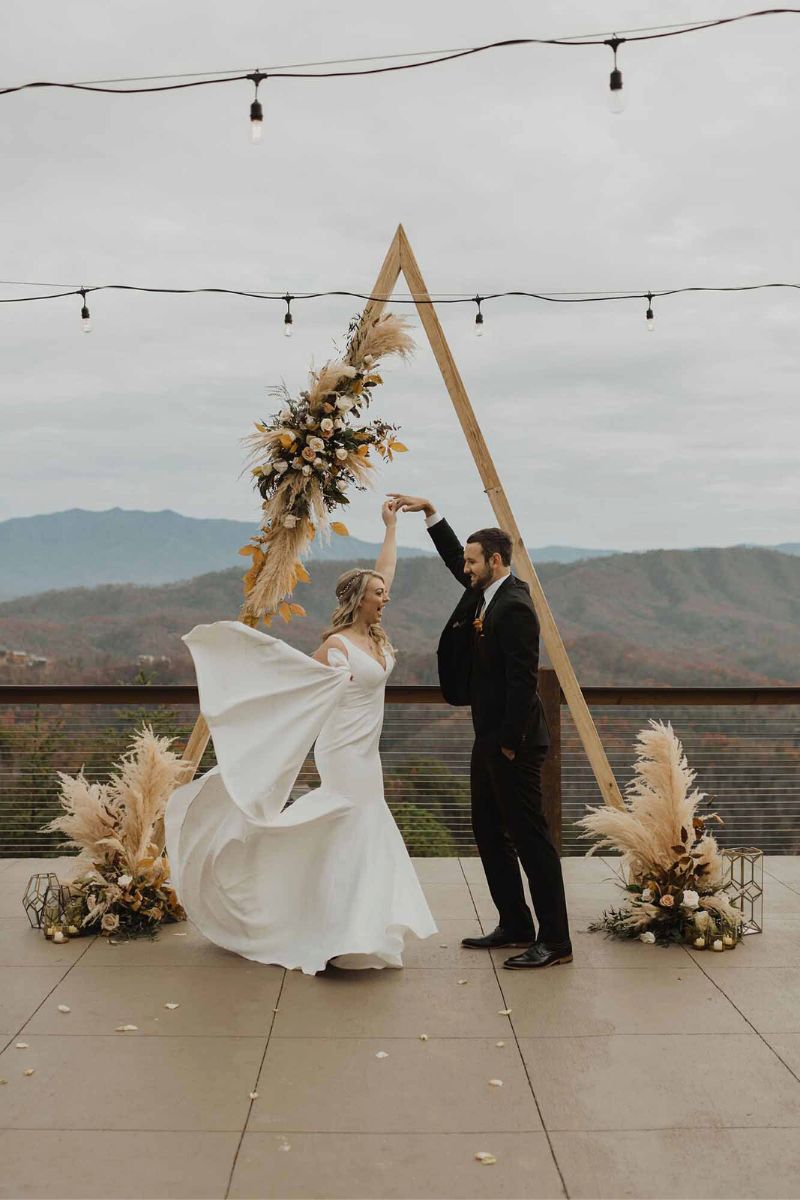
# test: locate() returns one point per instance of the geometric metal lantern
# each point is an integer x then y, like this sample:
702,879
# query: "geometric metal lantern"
743,880
55,918
35,896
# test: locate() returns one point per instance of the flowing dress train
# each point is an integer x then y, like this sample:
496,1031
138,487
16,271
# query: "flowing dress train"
327,877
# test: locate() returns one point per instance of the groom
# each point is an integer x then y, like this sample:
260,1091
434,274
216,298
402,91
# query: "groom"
488,658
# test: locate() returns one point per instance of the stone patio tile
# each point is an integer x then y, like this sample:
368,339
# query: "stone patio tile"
680,1164
661,1081
23,990
556,1003
85,1165
176,945
777,946
778,898
438,870
444,949
787,1046
21,869
213,1001
394,1166
769,997
449,901
595,950
21,946
785,867
126,1082
392,1004
328,1085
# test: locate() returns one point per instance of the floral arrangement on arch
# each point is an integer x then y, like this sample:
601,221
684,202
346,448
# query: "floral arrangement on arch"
671,865
121,883
307,456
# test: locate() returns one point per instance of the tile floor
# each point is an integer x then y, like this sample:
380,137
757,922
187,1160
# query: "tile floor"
633,1072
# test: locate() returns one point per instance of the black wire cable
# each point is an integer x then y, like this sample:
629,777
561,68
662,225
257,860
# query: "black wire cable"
429,62
550,298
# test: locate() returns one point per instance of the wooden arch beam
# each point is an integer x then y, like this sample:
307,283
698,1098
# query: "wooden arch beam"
400,260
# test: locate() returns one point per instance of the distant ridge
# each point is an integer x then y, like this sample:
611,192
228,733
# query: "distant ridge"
83,548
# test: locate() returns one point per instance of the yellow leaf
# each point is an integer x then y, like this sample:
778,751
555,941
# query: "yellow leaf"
363,435
362,451
247,550
398,447
268,619
287,440
297,610
144,863
249,619
356,387
373,379
285,610
339,528
261,428
301,574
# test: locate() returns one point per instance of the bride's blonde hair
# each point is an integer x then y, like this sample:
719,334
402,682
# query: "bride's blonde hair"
351,588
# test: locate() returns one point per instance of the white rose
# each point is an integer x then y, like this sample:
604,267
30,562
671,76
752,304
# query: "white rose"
310,423
344,404
690,899
341,454
316,443
109,922
647,937
281,467
125,881
289,521
297,463
306,469
337,424
647,894
326,425
318,463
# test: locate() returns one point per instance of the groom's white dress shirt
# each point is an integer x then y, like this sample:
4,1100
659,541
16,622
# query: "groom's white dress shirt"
488,593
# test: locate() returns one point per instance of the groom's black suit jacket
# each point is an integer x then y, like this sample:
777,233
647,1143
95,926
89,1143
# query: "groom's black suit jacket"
495,670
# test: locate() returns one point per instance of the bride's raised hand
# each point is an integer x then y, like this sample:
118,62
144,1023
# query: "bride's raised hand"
389,513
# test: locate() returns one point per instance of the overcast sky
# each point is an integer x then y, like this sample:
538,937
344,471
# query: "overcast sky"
507,170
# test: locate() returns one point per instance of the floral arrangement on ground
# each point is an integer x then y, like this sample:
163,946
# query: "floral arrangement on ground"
121,883
306,457
671,869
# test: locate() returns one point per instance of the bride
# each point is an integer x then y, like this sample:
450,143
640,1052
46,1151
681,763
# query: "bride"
326,878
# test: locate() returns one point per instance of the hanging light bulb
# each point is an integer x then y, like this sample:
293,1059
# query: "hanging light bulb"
256,111
649,318
287,320
478,318
616,96
86,320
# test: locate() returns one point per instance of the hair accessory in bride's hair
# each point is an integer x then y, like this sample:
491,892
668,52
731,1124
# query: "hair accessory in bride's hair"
344,588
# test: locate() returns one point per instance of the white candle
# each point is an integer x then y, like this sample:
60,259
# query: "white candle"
699,943
717,944
58,936
72,930
729,941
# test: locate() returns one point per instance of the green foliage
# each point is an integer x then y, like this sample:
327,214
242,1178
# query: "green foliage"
423,835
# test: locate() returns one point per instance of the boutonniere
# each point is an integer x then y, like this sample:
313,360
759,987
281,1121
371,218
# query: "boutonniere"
477,625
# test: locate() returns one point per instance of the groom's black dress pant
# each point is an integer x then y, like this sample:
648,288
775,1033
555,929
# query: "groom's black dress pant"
509,824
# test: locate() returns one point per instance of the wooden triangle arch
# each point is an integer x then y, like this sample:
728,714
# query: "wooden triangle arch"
400,260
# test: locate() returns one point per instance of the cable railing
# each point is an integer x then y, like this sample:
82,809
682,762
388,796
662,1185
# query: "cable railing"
744,744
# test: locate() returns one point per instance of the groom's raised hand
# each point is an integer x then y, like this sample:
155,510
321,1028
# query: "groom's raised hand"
411,503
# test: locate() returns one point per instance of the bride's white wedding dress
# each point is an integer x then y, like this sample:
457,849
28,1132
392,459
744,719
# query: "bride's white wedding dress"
326,878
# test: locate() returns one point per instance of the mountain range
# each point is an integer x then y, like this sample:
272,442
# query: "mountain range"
665,617
82,548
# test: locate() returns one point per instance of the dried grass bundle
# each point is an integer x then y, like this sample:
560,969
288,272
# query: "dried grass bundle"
386,334
660,806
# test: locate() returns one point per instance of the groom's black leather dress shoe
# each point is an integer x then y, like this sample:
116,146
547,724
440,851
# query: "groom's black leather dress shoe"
498,937
540,955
